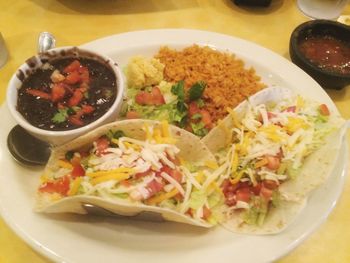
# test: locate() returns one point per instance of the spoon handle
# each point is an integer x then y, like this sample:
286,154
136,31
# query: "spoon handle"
46,41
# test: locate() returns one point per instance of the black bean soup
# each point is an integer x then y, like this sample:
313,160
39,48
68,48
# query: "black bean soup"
67,93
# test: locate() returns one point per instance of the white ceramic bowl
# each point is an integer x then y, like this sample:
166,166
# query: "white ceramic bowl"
61,137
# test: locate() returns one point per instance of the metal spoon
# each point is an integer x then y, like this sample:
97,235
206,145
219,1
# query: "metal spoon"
25,148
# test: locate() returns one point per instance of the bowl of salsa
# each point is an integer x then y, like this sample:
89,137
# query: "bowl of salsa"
322,49
65,92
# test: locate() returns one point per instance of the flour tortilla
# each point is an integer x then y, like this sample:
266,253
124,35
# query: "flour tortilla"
191,149
316,170
275,222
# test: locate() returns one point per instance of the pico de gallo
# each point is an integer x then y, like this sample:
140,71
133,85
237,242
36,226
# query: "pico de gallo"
268,147
149,172
170,102
67,93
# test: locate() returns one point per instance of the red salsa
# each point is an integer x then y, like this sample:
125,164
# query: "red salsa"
67,93
327,52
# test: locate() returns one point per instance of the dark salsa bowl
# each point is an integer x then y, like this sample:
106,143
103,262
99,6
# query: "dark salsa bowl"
65,92
322,49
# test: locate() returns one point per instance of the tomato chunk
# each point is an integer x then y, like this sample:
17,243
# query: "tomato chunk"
206,119
206,212
273,162
143,98
75,120
266,193
154,97
157,96
77,171
84,74
291,109
57,93
87,109
38,93
243,194
101,145
177,175
132,115
60,186
74,66
76,98
154,187
270,184
142,174
72,78
193,108
324,110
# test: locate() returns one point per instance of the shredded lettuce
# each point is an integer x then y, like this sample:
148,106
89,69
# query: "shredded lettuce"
197,199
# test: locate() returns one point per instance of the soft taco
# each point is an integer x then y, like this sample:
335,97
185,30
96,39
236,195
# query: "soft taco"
131,167
273,150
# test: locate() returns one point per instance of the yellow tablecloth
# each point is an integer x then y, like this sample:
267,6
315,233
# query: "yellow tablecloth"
75,22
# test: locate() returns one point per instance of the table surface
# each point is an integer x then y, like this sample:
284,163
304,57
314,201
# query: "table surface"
75,22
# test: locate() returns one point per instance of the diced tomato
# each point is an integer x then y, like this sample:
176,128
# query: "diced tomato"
271,115
101,145
324,110
60,186
58,91
175,160
143,174
143,98
230,199
179,197
83,87
256,189
228,187
189,212
60,106
154,97
74,66
206,212
245,184
266,193
193,108
69,89
177,175
243,194
77,171
154,187
87,109
125,183
76,98
165,169
225,184
157,96
270,184
291,109
273,162
72,78
84,74
75,120
132,115
206,119
38,93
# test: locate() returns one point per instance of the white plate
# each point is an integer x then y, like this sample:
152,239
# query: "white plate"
73,238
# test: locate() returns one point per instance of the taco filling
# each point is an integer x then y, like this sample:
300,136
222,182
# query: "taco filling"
268,147
135,172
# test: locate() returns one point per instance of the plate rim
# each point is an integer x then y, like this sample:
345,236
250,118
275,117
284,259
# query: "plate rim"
41,249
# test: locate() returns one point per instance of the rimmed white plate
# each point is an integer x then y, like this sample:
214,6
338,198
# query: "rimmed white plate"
73,238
